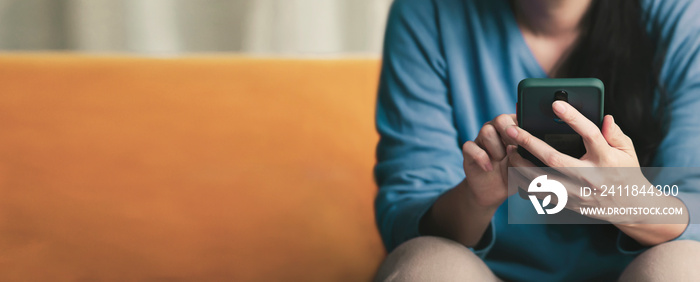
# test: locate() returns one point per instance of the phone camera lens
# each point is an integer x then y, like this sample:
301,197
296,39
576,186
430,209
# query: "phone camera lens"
561,95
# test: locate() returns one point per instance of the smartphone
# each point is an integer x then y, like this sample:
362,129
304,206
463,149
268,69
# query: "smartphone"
535,115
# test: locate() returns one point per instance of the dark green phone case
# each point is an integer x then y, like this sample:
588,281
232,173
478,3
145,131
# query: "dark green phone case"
535,115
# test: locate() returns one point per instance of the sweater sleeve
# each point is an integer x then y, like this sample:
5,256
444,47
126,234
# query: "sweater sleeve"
676,27
678,32
419,156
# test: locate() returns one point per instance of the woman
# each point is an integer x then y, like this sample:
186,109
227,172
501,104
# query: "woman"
448,85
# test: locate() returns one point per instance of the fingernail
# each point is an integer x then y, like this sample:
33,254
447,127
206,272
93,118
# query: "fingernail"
512,132
559,107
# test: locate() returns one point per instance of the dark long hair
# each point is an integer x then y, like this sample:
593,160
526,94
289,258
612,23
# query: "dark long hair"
615,47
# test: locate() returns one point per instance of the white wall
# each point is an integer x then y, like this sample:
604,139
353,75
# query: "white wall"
287,27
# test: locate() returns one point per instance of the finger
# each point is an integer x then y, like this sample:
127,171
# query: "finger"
592,137
517,160
511,148
473,154
614,135
501,123
524,167
541,150
489,140
565,176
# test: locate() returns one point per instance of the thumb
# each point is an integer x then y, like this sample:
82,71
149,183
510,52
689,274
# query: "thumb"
614,135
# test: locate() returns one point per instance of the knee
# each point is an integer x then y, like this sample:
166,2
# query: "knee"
677,261
433,259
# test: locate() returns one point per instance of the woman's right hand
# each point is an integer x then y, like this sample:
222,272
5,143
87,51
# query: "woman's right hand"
463,214
486,163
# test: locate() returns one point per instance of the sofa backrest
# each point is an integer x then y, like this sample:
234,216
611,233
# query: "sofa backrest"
209,168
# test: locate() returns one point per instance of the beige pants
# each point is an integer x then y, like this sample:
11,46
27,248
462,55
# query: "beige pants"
439,259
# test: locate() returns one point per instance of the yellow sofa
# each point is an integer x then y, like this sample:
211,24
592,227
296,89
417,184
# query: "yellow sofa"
187,169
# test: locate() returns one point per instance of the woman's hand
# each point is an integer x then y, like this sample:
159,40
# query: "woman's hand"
486,163
464,213
606,148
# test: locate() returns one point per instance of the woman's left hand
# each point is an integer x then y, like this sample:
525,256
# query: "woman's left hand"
608,148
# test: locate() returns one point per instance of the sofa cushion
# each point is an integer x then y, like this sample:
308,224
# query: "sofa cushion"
200,168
